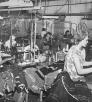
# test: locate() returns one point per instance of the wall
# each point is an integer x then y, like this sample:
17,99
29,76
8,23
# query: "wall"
61,6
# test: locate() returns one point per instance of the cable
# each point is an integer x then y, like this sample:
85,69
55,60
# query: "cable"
67,89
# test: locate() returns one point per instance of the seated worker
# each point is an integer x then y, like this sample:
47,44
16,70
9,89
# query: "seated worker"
46,42
39,40
43,33
46,47
11,46
4,55
10,42
75,60
68,40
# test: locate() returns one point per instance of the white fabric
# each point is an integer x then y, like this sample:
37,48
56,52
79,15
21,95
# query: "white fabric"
8,43
27,49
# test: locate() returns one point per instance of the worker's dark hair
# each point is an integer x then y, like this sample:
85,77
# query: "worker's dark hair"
43,29
48,33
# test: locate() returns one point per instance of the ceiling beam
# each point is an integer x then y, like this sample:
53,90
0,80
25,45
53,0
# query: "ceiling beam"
70,14
21,8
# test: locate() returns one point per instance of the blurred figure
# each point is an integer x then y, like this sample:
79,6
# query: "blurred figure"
68,40
39,40
3,55
11,46
47,44
43,32
46,47
68,34
10,42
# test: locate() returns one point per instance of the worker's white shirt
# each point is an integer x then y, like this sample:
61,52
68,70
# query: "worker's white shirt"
8,43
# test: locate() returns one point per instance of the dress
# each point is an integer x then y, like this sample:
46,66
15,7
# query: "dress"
69,65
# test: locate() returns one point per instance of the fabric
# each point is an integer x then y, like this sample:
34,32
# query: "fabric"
6,82
34,82
77,90
70,65
65,90
57,92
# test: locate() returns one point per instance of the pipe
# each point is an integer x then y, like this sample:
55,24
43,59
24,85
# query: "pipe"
21,8
70,14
